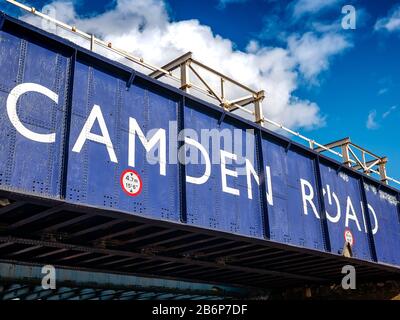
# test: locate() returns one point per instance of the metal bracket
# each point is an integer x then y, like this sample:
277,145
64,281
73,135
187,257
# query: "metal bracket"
364,200
131,79
4,202
347,250
323,219
398,205
263,189
2,20
288,146
222,117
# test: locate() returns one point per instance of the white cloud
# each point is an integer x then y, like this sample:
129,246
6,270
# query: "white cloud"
388,112
391,22
302,7
371,120
144,28
253,46
382,91
312,52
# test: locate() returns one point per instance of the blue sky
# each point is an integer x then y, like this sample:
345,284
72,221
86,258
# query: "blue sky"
349,87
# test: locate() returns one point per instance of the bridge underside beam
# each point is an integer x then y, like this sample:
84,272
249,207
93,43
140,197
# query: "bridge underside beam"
115,242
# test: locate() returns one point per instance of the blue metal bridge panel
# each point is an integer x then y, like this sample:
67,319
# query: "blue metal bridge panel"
207,206
344,211
93,178
386,226
291,220
25,166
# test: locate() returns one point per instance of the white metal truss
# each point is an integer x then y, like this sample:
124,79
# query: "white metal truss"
359,158
186,63
352,155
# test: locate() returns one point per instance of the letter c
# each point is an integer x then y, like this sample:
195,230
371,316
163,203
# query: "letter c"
12,100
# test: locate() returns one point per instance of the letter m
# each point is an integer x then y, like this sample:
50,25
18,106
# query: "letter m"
159,137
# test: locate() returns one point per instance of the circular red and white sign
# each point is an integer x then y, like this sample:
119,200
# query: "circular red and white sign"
348,236
131,182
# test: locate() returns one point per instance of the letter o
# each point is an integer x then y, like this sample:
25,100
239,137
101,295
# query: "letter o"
336,218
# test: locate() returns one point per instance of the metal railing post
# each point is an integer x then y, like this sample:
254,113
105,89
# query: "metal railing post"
382,170
258,111
185,83
346,156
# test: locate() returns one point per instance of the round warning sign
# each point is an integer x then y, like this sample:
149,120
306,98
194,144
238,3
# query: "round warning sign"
348,237
131,182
